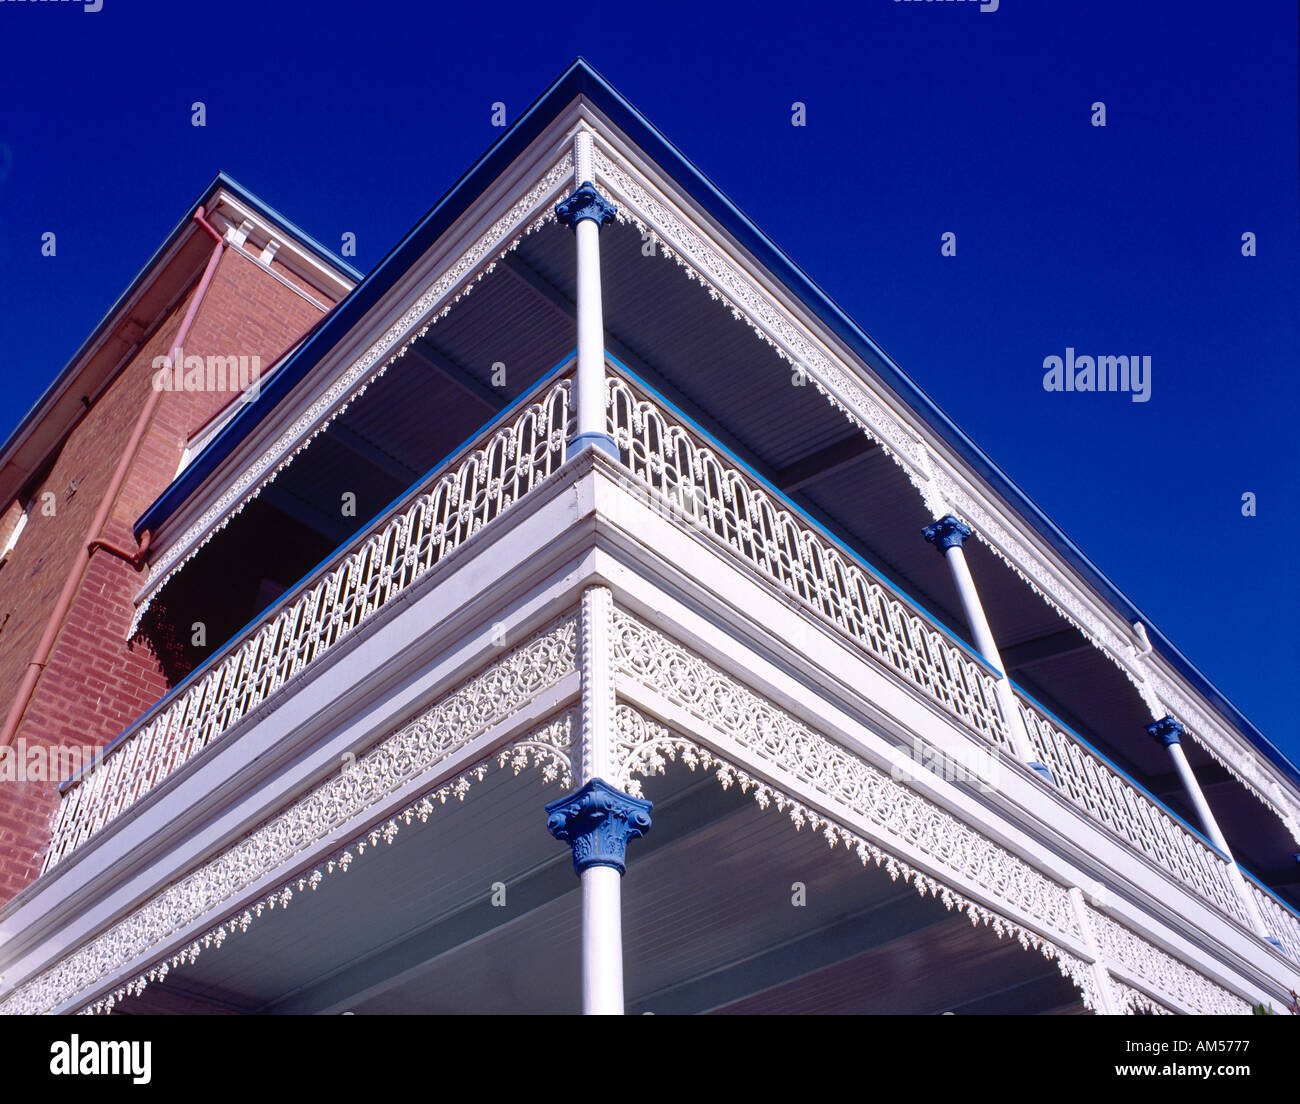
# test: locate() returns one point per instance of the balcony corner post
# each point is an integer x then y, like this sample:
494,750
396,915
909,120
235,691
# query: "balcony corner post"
597,820
585,211
948,534
1168,731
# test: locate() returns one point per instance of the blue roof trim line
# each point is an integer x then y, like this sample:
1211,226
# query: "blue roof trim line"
581,78
272,215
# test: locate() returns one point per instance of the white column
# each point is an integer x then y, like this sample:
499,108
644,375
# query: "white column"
591,332
595,757
948,534
602,941
586,210
597,820
1168,731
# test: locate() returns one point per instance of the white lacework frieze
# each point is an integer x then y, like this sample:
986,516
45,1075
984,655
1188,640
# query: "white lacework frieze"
644,207
645,747
698,486
546,749
693,484
1160,972
787,747
529,214
679,240
497,693
478,487
1136,1003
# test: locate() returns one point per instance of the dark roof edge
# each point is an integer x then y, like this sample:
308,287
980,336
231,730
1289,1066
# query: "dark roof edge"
581,78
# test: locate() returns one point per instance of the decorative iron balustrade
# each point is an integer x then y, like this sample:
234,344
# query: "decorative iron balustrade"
679,472
686,477
689,478
1281,922
1112,800
474,487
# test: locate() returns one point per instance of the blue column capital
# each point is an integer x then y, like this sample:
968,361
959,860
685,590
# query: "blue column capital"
597,821
1166,731
584,202
947,532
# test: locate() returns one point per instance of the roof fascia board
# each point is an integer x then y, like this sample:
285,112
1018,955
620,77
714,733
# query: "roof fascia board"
302,262
311,249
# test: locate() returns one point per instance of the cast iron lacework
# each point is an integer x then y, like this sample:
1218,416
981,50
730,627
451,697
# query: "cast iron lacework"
646,747
483,701
1129,953
502,467
706,491
696,486
676,238
787,747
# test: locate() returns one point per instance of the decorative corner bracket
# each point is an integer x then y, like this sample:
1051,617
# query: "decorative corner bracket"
597,821
1166,731
584,202
947,532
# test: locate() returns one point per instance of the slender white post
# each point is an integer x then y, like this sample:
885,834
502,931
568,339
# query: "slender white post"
1168,731
597,820
602,941
948,534
586,211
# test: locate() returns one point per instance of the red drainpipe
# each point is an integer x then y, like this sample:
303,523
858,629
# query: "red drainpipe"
93,538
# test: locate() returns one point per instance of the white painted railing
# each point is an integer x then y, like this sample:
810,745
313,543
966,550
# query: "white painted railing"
1114,801
687,477
475,487
680,472
1280,921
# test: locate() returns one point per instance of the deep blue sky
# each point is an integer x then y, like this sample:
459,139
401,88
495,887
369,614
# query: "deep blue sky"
922,118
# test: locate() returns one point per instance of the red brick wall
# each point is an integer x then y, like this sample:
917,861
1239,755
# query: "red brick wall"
95,684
